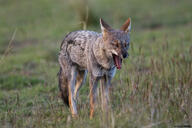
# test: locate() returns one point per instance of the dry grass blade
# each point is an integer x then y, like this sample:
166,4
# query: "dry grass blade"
8,49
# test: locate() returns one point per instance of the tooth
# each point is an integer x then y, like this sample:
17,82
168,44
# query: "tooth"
121,56
114,52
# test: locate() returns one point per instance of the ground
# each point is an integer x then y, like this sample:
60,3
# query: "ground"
153,89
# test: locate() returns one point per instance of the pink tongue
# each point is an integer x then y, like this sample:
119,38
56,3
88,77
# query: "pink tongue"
118,62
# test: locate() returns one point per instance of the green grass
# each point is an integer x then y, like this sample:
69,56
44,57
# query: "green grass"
153,89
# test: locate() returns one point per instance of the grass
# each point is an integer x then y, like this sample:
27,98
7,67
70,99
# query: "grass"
154,88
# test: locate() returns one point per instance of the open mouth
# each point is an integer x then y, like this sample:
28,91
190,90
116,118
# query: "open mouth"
117,61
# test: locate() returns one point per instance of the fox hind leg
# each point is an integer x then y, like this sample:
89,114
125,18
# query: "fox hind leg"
67,87
81,78
71,89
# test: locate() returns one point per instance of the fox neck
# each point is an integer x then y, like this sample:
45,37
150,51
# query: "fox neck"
100,55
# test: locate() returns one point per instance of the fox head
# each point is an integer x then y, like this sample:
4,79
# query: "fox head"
116,42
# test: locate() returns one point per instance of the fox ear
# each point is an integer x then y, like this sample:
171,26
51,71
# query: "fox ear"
105,28
127,25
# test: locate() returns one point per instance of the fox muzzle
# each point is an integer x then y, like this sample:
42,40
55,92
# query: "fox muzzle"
125,55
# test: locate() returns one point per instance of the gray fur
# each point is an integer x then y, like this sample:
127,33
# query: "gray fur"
87,51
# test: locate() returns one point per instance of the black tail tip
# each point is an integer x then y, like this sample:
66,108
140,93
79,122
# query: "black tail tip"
65,100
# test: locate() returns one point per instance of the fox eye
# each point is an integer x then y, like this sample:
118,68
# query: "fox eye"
116,44
125,44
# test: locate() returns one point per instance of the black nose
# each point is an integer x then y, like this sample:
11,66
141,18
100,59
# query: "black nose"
125,55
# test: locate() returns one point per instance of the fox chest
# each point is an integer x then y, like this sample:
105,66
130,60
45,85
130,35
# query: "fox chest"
100,72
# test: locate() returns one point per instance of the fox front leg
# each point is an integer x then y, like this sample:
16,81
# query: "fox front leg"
93,82
105,83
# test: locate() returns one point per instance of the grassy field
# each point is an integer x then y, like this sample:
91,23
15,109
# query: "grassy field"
154,88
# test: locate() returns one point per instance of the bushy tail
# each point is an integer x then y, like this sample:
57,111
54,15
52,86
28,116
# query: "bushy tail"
63,87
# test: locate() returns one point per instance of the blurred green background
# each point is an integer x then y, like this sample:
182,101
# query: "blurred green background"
154,88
